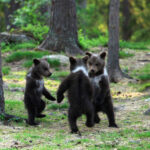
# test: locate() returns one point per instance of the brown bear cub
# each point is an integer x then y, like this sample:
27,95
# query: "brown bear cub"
35,89
99,79
80,93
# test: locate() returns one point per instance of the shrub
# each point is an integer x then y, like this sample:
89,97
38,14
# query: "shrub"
17,46
37,31
87,43
19,55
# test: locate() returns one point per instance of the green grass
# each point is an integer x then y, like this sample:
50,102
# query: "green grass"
60,74
144,86
58,106
54,63
87,43
17,46
6,70
143,134
143,74
27,63
124,54
19,55
134,45
14,107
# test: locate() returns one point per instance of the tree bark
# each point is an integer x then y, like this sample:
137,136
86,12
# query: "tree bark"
126,29
2,103
114,71
63,28
2,100
9,9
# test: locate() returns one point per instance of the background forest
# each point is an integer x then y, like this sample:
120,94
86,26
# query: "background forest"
33,17
25,25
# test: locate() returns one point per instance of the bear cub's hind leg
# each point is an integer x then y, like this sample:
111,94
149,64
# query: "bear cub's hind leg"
40,109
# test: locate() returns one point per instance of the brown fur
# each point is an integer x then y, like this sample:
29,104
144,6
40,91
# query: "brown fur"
35,89
80,94
102,96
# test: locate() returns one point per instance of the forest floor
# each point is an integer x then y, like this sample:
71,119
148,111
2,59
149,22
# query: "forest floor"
54,133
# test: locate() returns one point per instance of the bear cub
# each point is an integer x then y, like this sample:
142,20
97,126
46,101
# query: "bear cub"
100,81
35,89
80,93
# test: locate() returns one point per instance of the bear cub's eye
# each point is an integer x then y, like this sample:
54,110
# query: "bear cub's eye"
97,64
45,68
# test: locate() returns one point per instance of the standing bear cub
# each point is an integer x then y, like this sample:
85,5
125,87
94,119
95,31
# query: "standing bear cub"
35,89
99,79
80,93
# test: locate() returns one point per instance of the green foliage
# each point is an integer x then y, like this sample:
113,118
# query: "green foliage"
2,117
93,19
87,43
17,46
143,73
134,45
19,55
6,70
124,54
54,62
33,18
37,31
30,13
144,86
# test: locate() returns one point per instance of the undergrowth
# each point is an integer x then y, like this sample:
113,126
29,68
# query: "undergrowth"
8,47
19,55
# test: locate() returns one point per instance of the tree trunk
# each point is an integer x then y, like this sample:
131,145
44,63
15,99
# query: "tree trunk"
2,104
9,9
63,28
126,29
114,71
2,101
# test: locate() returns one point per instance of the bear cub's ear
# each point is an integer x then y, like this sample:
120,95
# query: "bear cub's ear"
89,54
36,61
85,59
72,60
103,55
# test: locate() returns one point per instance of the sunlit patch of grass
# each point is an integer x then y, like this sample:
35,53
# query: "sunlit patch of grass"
6,70
19,55
15,107
27,138
143,134
52,85
125,95
15,76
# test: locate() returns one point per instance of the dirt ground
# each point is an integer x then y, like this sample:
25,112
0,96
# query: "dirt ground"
54,132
